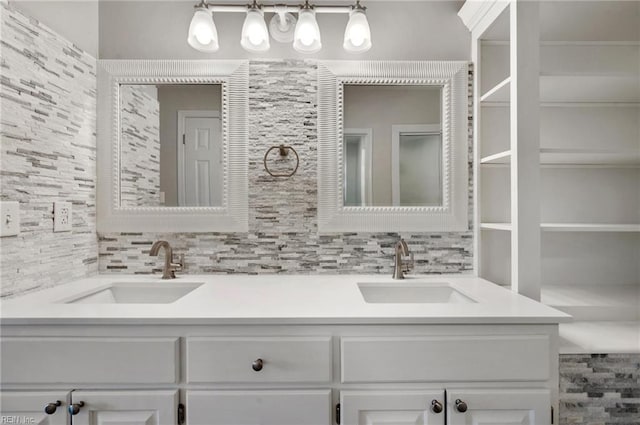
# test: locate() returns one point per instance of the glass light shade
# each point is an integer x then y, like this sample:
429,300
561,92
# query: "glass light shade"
357,35
306,38
255,37
203,35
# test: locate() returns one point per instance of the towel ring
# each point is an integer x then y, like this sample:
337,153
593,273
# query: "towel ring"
284,151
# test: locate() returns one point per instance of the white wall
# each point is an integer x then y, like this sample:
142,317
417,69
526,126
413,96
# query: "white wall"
420,30
76,20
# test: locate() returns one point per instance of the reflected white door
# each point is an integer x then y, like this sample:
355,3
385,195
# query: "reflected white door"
143,407
391,407
200,159
358,189
28,407
500,407
416,165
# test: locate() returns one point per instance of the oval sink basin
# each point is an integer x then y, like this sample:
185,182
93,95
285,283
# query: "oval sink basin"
160,292
415,292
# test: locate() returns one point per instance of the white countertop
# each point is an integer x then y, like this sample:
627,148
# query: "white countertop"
279,299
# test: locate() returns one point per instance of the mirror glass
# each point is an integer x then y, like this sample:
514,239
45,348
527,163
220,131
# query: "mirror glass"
392,146
171,145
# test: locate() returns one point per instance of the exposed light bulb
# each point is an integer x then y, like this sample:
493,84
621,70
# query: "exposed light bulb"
202,34
255,35
358,35
306,34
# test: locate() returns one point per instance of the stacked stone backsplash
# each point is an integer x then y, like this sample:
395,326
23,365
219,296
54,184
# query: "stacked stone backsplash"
140,170
600,389
283,234
48,153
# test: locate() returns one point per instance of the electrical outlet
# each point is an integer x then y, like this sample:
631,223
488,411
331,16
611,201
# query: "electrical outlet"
61,216
9,218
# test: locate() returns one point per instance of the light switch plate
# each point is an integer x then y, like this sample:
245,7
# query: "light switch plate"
9,218
61,216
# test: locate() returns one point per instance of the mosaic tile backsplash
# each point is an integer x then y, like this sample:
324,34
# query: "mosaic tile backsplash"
48,153
600,389
283,234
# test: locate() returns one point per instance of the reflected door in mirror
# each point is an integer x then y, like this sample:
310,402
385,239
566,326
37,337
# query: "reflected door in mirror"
357,167
171,145
416,161
392,147
200,159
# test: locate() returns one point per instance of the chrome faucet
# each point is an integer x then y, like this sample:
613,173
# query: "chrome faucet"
400,266
170,268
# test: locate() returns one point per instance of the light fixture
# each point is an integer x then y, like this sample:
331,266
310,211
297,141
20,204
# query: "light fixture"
357,35
306,38
203,35
283,27
255,37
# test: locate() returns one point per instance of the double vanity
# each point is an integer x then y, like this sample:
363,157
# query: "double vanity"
285,350
281,349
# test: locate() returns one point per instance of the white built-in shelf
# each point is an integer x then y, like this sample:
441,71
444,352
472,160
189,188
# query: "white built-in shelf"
590,88
498,158
496,226
499,93
577,88
589,156
589,227
586,337
560,156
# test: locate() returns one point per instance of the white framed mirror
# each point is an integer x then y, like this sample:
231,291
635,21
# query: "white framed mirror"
172,145
392,146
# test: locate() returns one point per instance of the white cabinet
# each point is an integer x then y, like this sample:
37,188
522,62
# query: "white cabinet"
142,407
463,407
392,407
34,407
283,374
265,407
498,407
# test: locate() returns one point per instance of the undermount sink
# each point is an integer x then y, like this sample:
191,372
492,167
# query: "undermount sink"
411,292
161,292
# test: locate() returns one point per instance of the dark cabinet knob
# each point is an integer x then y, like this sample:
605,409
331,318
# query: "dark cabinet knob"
74,409
436,406
461,406
257,365
51,408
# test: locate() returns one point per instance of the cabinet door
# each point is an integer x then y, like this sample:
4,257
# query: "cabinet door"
391,407
28,407
296,407
499,407
126,407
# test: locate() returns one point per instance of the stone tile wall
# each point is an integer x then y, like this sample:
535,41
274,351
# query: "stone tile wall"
140,138
600,389
283,234
47,153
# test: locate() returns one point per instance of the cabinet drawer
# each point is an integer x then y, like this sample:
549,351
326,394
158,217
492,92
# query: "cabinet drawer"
297,407
284,359
89,360
445,358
